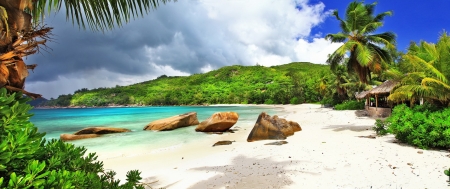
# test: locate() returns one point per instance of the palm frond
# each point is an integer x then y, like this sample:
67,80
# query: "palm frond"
420,64
380,17
382,53
336,38
364,55
386,38
96,14
402,93
334,60
393,74
370,8
430,81
371,27
342,23
4,20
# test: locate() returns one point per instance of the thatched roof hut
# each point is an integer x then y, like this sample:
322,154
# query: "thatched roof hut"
385,88
361,95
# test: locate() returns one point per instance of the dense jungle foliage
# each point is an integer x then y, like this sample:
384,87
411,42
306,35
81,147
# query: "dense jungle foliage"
292,83
425,126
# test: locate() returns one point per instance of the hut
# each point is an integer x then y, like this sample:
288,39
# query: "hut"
376,99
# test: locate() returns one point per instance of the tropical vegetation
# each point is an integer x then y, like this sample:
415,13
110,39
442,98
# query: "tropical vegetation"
367,52
350,105
292,83
424,73
424,126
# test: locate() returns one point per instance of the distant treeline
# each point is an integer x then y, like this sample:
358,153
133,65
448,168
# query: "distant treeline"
292,83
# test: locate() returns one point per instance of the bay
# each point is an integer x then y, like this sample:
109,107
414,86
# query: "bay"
55,122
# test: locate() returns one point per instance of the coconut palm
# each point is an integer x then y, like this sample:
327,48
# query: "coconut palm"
22,32
367,52
424,73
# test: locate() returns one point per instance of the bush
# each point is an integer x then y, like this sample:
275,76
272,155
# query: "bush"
380,128
295,100
28,161
330,100
350,105
447,172
422,126
269,101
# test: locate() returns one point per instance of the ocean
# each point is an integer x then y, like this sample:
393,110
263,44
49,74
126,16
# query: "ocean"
58,121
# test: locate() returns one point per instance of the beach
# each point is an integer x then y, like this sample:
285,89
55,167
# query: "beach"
333,150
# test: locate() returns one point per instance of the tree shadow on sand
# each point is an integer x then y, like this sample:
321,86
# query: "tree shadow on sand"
246,172
352,127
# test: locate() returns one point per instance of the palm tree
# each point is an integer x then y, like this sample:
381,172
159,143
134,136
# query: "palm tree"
22,32
424,73
367,52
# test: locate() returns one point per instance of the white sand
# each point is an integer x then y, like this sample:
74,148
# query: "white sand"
327,154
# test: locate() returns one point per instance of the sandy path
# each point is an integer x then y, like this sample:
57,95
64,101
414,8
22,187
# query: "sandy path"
327,154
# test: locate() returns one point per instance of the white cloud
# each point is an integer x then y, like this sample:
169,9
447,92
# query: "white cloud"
222,32
316,51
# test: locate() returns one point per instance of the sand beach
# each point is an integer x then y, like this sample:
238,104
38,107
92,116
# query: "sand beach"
333,150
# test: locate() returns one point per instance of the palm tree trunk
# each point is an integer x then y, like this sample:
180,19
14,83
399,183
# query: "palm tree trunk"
17,40
361,71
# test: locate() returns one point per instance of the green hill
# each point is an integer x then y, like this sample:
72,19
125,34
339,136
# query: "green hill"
283,84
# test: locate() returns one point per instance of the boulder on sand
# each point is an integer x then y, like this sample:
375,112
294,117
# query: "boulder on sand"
272,128
174,122
67,137
218,122
91,132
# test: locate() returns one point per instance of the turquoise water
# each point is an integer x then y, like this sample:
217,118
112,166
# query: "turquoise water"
58,121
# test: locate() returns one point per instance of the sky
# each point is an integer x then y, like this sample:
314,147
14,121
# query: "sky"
196,36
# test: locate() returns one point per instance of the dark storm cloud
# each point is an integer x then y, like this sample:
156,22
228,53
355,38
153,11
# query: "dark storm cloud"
123,50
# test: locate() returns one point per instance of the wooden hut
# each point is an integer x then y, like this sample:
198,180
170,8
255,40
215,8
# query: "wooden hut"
379,106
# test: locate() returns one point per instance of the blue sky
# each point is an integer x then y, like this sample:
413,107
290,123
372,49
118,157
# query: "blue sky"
412,20
195,36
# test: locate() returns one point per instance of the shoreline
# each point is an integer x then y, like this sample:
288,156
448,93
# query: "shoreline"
137,106
329,152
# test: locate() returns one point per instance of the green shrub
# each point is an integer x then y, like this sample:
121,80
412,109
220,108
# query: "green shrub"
28,161
380,128
269,101
422,126
330,100
295,100
350,105
447,172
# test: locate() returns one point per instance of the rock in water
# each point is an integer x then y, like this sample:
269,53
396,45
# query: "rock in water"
223,142
67,137
174,122
218,122
101,130
274,128
91,132
277,143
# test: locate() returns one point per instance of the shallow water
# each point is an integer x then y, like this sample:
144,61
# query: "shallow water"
58,121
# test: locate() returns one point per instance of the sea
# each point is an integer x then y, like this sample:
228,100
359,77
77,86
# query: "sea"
55,122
